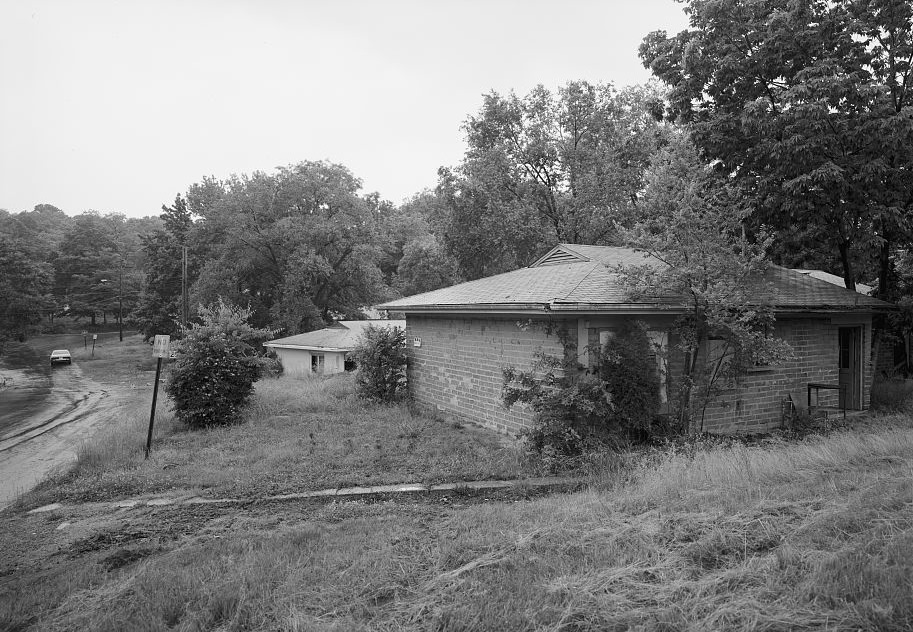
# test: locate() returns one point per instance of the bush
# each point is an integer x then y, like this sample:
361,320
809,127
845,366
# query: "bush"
613,404
218,362
627,366
381,360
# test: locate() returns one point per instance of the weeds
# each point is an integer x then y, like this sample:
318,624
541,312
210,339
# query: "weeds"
891,395
723,535
297,435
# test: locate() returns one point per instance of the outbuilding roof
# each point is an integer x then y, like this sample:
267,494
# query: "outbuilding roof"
573,277
341,336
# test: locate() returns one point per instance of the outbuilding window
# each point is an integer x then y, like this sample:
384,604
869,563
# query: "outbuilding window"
317,361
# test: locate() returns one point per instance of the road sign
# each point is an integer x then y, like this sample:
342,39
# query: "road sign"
94,336
161,346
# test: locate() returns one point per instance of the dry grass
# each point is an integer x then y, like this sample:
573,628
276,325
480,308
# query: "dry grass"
784,536
891,395
298,435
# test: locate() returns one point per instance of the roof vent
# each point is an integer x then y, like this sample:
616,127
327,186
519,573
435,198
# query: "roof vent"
559,255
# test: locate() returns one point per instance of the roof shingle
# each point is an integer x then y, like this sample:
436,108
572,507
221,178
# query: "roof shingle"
342,335
573,276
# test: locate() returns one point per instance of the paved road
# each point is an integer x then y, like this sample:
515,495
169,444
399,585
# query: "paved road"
45,413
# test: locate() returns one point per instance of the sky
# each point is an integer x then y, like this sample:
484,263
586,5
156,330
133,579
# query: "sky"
118,106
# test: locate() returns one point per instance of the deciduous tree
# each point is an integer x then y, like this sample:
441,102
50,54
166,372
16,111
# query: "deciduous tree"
808,105
699,259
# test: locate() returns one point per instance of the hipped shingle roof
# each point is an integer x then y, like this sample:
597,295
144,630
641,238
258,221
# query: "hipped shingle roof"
574,277
343,335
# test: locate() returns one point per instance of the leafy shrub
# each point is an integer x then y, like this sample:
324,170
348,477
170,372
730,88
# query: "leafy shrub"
271,366
218,362
381,360
577,409
569,406
627,366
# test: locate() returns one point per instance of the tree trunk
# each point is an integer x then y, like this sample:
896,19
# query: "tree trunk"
849,279
885,285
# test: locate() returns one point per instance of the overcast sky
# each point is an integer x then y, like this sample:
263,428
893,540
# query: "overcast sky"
118,106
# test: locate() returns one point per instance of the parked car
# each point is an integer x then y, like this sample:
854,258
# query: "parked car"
60,356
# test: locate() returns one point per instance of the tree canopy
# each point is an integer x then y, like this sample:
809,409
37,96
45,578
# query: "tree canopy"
808,106
544,168
692,224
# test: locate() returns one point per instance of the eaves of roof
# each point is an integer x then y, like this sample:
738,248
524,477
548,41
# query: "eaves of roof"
614,308
306,347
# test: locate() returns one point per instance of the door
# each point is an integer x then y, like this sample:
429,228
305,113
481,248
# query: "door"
850,377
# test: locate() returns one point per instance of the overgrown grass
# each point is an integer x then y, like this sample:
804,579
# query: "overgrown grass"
891,395
127,363
782,536
298,435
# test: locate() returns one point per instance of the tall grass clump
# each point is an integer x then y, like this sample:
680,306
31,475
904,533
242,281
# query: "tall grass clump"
121,446
892,394
296,396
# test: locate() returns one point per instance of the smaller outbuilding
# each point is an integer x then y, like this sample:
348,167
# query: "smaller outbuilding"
324,351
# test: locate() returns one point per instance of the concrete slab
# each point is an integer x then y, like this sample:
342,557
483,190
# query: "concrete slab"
486,484
209,501
355,491
416,487
322,492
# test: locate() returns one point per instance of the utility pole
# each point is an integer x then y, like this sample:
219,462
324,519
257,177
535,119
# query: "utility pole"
120,302
185,312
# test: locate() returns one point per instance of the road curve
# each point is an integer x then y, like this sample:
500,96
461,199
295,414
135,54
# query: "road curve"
45,415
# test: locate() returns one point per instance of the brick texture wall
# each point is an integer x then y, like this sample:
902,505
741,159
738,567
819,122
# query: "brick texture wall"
457,369
757,405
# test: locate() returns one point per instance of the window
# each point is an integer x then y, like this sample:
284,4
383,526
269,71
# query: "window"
596,340
317,363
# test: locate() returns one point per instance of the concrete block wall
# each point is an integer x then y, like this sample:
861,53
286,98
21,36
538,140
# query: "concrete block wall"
756,405
457,370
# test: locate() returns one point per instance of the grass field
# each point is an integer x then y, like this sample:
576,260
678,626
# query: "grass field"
298,435
811,535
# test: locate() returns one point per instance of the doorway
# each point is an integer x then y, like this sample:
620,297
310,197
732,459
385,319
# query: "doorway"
849,365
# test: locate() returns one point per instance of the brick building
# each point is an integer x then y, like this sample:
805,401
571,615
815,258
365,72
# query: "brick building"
462,337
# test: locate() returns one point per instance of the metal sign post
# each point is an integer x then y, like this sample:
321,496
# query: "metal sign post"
94,338
85,339
160,349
